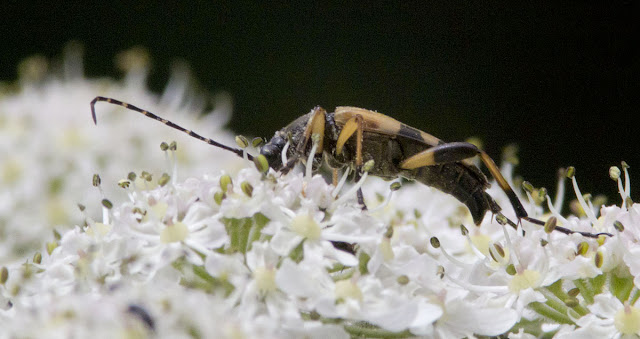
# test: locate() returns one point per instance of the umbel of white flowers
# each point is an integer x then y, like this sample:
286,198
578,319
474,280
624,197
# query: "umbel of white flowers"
249,254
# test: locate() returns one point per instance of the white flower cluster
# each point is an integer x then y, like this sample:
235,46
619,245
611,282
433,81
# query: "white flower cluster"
50,148
255,255
247,254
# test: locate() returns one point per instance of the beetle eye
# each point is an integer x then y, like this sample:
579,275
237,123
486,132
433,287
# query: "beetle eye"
273,154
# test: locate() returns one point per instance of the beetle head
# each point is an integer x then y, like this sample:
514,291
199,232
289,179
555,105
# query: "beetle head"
294,133
272,150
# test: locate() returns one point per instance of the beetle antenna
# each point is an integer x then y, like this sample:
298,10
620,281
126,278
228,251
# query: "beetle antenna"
164,121
566,230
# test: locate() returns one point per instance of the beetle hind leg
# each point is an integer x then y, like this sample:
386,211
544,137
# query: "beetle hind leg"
460,151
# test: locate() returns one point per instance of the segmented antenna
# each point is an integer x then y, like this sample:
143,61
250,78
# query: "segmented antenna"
148,114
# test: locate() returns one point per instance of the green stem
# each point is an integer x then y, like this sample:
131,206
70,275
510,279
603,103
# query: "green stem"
554,302
550,313
374,332
556,289
598,283
585,290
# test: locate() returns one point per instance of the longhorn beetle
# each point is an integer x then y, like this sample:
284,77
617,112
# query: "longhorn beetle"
351,137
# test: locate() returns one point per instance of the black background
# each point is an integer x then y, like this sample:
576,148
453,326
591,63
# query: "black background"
559,79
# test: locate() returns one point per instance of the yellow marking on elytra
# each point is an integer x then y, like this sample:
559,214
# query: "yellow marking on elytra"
381,124
429,139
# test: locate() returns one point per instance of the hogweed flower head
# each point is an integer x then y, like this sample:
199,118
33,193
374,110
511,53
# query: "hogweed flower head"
50,148
253,253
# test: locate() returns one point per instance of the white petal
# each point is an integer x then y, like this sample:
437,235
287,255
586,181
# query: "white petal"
427,314
394,317
285,241
295,280
469,318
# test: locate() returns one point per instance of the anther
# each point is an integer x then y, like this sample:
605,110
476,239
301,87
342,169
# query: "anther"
614,173
571,171
164,179
96,180
225,182
550,225
106,203
435,242
262,165
242,141
247,188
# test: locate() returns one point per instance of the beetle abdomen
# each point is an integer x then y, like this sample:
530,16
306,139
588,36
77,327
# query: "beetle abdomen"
465,184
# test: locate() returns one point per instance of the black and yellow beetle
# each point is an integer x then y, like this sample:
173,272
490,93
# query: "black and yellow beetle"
351,137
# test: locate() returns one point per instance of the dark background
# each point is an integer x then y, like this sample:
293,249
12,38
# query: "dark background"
559,79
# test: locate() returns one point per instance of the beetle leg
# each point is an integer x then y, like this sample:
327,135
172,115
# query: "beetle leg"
495,172
459,151
314,126
353,125
441,154
359,122
348,129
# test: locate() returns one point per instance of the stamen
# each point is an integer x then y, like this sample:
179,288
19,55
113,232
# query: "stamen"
337,189
583,203
532,202
559,200
105,211
243,143
312,154
284,152
105,214
623,194
353,189
171,158
479,288
392,188
627,182
513,255
436,244
174,160
473,247
554,211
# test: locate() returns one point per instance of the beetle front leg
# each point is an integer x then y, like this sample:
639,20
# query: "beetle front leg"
315,126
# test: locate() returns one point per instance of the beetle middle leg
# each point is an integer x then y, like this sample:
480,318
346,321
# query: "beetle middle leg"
354,125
